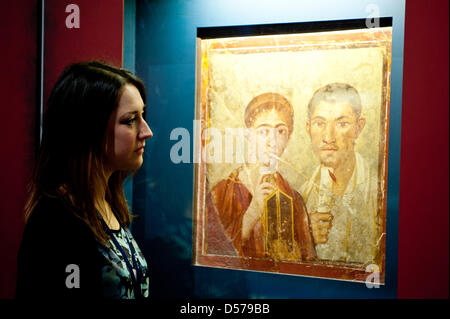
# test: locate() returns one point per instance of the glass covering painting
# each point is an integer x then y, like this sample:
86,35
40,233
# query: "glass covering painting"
291,153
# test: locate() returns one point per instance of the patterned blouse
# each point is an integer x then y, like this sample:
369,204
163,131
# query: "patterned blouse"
117,279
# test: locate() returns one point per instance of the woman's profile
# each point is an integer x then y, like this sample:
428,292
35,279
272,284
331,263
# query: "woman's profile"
77,242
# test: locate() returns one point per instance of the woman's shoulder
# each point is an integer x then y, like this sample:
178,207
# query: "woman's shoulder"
49,209
54,238
53,216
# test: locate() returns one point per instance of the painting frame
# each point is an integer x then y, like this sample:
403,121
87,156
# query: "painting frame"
322,269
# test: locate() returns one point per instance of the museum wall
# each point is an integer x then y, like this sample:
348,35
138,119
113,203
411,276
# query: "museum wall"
165,225
423,212
99,37
18,109
423,202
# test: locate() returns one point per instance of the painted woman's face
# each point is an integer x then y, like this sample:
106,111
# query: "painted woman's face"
129,130
272,134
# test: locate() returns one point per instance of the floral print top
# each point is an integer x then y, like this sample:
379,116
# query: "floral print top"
116,277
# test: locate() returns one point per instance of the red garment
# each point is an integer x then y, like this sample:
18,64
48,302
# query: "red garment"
226,204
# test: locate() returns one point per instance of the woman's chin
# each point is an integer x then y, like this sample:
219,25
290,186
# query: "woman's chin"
135,165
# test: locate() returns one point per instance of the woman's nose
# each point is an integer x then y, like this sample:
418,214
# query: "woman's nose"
145,132
272,143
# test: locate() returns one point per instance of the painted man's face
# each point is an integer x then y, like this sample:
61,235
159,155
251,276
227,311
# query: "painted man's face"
334,128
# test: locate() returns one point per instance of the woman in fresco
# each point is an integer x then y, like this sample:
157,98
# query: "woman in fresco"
254,212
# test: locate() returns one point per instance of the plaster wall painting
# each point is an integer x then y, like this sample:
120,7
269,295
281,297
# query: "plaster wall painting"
292,153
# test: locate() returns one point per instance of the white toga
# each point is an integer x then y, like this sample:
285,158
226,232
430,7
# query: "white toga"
354,234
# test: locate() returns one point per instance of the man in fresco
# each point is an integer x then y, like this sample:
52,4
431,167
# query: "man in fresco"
254,212
341,195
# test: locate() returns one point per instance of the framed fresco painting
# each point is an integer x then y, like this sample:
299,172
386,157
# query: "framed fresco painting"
292,149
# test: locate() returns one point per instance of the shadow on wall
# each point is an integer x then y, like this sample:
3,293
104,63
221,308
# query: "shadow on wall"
172,274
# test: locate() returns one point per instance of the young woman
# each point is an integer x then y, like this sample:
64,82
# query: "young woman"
77,242
235,205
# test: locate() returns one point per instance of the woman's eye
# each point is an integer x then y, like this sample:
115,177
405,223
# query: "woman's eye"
130,121
342,124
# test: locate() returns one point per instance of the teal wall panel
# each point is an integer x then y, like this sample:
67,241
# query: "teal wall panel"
162,191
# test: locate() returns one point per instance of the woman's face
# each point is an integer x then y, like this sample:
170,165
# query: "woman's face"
129,131
272,132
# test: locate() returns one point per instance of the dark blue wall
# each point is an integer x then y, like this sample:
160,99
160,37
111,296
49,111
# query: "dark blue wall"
162,191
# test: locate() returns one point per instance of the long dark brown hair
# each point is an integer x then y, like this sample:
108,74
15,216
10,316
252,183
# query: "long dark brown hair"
71,156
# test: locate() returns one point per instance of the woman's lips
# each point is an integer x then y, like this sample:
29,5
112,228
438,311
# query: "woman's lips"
140,150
